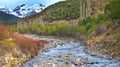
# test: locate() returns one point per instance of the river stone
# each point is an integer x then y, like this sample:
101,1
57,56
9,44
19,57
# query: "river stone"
74,59
46,62
53,42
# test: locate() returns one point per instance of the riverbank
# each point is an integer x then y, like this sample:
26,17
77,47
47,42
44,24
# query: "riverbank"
18,49
107,43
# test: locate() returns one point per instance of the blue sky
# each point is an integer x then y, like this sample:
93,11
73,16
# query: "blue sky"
13,3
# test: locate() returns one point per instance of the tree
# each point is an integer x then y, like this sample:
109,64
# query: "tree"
113,9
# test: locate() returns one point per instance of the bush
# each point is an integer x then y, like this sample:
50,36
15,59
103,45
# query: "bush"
113,9
10,40
89,24
4,32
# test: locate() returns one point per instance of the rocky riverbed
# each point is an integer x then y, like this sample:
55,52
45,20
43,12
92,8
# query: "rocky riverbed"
61,52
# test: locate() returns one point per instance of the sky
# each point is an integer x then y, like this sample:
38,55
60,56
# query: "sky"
13,3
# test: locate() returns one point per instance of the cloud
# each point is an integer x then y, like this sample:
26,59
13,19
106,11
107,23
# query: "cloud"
13,3
10,1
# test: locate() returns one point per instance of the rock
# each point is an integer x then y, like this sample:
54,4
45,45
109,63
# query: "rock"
11,60
101,29
73,59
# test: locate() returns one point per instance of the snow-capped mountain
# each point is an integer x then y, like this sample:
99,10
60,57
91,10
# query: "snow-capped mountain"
6,10
38,7
23,10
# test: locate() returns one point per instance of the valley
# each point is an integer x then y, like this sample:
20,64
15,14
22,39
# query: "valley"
70,33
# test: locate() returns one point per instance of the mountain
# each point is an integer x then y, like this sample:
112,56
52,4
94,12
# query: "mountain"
24,10
5,10
8,15
5,17
67,10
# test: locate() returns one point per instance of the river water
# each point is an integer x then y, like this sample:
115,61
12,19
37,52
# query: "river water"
69,54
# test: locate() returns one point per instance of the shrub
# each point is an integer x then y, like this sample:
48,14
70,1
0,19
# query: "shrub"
10,40
4,32
113,9
28,45
90,23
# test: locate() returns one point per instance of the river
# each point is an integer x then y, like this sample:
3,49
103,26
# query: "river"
69,54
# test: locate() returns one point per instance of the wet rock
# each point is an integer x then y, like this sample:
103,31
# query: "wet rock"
73,59
52,42
50,63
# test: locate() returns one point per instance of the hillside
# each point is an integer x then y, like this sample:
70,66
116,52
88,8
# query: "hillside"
4,18
66,10
69,33
98,23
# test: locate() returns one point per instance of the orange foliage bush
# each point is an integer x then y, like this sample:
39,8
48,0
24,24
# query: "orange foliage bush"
27,44
5,37
4,32
9,39
38,44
